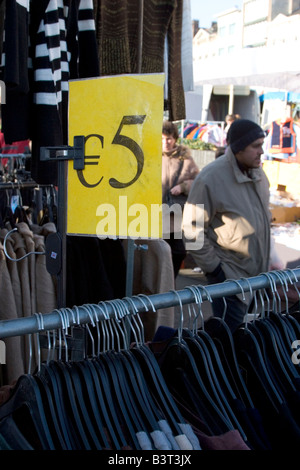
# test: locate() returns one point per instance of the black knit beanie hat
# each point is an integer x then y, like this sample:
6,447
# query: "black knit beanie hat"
243,132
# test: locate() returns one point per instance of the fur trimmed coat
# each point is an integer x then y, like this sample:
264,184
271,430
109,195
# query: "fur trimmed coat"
170,165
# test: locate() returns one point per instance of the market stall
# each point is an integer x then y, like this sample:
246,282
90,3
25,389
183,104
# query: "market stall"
285,207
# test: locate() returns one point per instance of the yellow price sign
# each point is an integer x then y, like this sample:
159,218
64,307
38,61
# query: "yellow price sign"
119,192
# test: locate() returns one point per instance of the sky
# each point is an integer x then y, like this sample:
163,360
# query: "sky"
204,10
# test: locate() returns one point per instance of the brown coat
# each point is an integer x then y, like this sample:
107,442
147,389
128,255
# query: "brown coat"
170,165
8,311
153,274
26,288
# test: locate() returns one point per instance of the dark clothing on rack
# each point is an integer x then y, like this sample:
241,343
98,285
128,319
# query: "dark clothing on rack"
36,105
189,403
36,83
231,440
62,405
232,306
96,270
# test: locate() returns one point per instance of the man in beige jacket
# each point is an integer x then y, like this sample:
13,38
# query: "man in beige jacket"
226,222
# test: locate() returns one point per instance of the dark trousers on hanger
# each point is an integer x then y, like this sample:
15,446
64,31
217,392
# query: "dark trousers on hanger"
178,252
230,308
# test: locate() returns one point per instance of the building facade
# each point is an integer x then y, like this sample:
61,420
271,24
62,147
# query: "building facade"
256,45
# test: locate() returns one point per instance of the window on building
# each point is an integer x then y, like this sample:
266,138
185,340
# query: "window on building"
221,51
232,29
222,31
231,49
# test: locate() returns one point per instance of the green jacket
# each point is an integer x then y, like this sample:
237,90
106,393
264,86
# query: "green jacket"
233,225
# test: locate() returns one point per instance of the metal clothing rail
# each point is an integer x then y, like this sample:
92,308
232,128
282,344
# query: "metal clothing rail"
142,303
22,185
15,155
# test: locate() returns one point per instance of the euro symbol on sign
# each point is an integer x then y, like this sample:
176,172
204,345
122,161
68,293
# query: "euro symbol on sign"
93,162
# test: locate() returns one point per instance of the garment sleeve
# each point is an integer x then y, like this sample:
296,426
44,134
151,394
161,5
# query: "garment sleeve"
14,73
197,215
84,61
188,176
176,101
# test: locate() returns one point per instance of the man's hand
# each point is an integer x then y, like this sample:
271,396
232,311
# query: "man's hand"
176,190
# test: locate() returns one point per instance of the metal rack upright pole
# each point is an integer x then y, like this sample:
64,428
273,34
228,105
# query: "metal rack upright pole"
61,229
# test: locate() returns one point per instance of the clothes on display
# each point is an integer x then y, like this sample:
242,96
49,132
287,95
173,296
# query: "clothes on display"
62,40
196,388
96,270
282,140
181,389
99,403
153,274
247,380
283,137
26,285
56,43
28,215
209,132
20,149
116,30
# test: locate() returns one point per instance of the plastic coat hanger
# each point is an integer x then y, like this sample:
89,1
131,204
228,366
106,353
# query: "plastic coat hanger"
271,347
204,336
48,381
223,388
51,398
90,370
283,335
154,377
268,345
13,436
136,379
111,369
291,317
15,229
51,379
94,392
69,398
27,396
107,406
286,324
249,353
179,366
246,351
149,411
219,331
128,385
129,417
251,359
77,418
